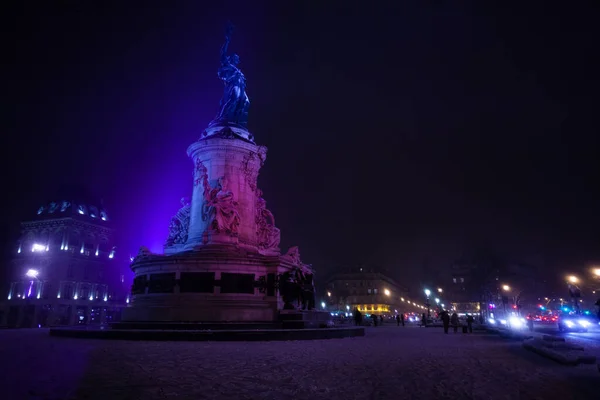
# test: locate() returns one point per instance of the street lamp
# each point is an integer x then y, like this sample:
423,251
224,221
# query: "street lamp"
386,292
596,271
32,273
427,293
574,291
437,301
440,290
506,288
323,304
328,294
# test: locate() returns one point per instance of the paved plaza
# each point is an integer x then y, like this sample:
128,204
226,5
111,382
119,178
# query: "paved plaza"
388,363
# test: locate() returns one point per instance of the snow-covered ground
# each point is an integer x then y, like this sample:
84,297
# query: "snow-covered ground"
388,363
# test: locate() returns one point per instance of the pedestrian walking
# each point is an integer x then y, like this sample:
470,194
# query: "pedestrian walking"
398,320
454,321
402,318
445,320
470,321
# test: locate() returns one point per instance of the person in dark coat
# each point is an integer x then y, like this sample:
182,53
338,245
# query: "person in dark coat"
470,321
445,320
454,321
398,320
424,320
402,318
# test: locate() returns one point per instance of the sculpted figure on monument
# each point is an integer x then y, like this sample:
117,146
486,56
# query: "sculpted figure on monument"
142,254
221,209
268,235
178,227
293,255
234,103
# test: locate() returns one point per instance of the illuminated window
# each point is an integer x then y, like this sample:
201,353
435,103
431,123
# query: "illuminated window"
369,291
375,291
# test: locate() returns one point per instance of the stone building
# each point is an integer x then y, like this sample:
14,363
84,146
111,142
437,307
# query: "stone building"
65,269
370,291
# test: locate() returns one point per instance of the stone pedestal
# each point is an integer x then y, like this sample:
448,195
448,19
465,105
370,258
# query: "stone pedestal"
212,283
297,319
221,261
238,161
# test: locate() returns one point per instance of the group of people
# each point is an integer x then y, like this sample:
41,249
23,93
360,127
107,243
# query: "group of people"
448,320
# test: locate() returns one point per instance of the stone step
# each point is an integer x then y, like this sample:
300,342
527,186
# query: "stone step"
196,326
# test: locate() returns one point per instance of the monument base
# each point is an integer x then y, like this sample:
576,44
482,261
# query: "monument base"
210,284
298,319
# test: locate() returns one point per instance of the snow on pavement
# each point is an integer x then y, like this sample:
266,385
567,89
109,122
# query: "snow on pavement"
388,363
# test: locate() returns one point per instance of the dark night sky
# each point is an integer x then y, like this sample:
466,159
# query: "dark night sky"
398,134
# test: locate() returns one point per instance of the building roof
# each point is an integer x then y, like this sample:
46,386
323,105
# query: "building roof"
76,202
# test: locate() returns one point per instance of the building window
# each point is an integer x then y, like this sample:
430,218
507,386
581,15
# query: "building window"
67,291
375,291
70,270
454,280
369,291
462,280
46,290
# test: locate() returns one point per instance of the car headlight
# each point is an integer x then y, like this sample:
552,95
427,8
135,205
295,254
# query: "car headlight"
492,321
584,323
569,323
516,322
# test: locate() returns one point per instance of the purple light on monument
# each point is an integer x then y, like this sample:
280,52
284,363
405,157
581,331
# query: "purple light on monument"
30,289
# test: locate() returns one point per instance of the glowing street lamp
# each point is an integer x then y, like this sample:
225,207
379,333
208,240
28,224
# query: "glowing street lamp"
437,301
427,292
38,247
32,273
596,271
328,294
572,279
440,290
506,288
323,304
386,292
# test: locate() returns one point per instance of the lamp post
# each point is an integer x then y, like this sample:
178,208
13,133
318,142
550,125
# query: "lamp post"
427,293
506,288
574,291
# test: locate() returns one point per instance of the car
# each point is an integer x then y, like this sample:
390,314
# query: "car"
573,323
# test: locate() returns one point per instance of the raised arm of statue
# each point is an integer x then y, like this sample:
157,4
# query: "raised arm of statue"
228,32
224,59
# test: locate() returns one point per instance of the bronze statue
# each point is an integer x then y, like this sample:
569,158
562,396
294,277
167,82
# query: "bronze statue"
234,103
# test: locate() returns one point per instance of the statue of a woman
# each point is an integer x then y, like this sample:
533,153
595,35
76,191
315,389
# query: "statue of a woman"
234,103
268,234
222,209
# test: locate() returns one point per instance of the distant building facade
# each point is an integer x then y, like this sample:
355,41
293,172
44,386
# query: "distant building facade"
63,271
478,286
369,291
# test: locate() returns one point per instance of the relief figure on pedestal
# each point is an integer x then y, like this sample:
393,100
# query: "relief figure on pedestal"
179,225
234,103
267,234
221,209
